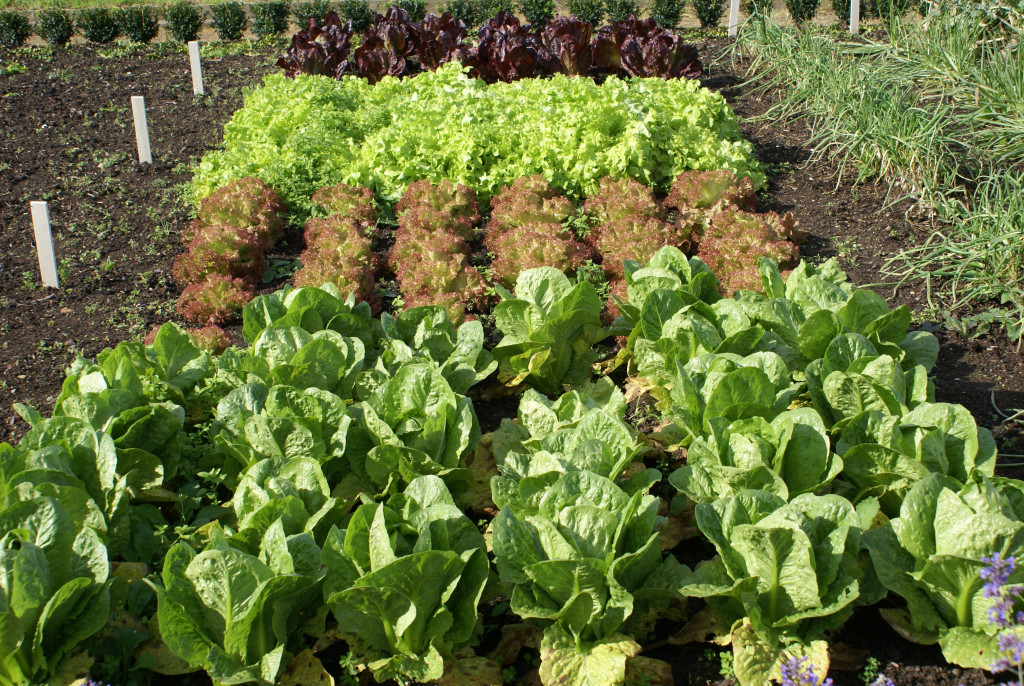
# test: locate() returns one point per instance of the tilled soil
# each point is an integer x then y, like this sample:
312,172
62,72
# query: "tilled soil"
67,138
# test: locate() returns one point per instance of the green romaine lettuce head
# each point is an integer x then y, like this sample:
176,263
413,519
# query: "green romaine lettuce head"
540,418
312,310
292,491
668,269
812,306
931,556
548,329
788,456
256,422
785,574
420,333
67,459
233,613
404,580
724,386
136,393
583,430
854,377
673,331
134,374
586,564
674,313
53,590
113,398
884,455
426,333
289,356
411,425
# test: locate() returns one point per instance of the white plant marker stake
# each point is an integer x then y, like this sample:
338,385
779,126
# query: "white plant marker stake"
734,18
197,68
141,129
44,243
855,17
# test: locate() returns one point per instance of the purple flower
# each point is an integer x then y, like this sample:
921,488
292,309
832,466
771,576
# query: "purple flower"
1000,611
997,573
797,671
882,680
1010,644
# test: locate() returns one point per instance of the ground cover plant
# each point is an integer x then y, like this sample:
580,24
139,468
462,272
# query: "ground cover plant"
372,135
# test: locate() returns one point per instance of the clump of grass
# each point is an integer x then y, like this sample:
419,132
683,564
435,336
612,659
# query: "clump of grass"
937,113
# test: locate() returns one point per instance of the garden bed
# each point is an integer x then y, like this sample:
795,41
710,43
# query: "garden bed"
101,200
88,173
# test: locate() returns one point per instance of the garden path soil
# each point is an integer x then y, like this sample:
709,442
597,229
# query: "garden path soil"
67,138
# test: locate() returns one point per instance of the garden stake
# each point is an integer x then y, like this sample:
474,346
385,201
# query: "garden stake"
197,68
734,17
855,17
141,129
44,243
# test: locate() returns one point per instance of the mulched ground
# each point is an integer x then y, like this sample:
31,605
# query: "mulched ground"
67,138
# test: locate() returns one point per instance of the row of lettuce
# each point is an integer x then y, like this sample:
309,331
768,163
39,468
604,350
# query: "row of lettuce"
443,252
303,134
505,49
311,488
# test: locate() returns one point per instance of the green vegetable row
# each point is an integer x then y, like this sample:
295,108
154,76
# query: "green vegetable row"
303,134
239,513
812,435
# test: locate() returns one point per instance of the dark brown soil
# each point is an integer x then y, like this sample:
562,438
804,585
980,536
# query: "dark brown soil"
67,138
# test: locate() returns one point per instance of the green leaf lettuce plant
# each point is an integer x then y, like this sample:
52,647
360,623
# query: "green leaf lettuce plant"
549,327
403,581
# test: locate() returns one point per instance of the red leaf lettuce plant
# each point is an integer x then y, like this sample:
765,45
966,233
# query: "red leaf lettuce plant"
527,230
235,227
430,256
339,249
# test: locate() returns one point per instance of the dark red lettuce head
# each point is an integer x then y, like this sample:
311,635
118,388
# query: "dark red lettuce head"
568,43
507,51
440,40
387,45
320,50
635,47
